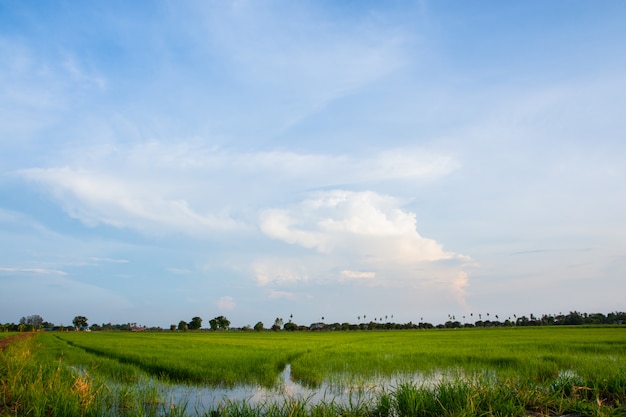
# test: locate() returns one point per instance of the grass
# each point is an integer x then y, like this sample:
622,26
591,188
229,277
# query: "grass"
223,359
51,379
475,372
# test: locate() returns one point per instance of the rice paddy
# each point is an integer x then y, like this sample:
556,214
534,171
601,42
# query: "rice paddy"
504,372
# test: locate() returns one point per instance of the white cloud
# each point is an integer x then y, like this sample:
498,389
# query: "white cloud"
459,288
363,226
226,303
362,238
198,190
95,198
279,271
41,271
358,274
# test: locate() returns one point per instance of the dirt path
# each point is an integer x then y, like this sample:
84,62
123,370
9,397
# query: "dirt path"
5,341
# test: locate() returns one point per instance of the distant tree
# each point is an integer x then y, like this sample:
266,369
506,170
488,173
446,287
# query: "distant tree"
222,322
172,327
32,322
278,323
259,326
80,322
219,323
195,323
213,324
290,326
574,317
182,325
35,320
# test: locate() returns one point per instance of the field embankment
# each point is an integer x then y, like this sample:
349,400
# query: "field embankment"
8,338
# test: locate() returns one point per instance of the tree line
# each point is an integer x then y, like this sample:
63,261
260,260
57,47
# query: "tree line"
217,323
569,319
221,323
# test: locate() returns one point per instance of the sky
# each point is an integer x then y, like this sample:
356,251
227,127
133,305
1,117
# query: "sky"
261,159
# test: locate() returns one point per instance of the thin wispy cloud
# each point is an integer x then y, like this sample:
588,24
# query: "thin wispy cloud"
39,271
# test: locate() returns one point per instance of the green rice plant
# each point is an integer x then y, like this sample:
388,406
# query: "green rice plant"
413,401
487,372
224,360
44,377
32,388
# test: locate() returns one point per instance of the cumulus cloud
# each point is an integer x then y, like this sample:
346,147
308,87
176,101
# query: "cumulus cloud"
459,286
363,238
362,225
198,189
226,303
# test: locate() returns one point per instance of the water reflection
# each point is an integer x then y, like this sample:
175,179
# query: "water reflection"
202,399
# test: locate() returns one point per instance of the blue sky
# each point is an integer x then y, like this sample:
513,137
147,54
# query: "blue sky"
261,159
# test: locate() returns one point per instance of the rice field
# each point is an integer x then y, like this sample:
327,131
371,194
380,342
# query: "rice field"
492,372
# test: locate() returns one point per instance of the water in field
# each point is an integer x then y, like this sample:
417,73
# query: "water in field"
200,399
